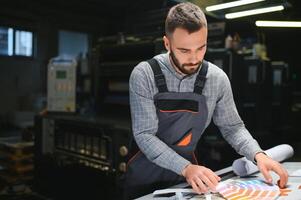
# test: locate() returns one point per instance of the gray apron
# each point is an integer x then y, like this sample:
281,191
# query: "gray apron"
181,122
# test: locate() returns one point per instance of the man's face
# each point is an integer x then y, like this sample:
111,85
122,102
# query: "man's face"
187,50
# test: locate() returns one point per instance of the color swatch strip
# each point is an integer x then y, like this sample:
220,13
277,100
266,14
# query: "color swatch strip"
248,190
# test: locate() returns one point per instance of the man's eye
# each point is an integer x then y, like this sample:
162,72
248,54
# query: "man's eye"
184,51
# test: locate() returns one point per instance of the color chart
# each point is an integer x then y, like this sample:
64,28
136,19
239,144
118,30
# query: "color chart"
248,190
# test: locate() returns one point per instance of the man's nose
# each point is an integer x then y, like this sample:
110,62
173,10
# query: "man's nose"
193,58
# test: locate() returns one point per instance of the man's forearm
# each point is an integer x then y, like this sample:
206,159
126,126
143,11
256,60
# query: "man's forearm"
160,153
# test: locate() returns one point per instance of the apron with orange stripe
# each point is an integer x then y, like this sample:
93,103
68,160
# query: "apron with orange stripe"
181,122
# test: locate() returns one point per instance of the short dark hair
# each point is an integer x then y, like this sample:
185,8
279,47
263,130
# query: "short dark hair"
185,15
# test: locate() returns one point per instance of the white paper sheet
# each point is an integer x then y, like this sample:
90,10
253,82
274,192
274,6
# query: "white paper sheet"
296,173
244,167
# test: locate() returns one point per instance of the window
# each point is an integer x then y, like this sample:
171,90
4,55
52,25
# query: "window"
15,42
23,44
6,41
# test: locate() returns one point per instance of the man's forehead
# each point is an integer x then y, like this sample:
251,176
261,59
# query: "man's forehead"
184,40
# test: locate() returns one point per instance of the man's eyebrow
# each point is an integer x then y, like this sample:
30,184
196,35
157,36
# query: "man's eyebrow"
203,46
181,48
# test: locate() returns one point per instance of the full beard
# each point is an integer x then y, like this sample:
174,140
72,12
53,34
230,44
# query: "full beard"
181,67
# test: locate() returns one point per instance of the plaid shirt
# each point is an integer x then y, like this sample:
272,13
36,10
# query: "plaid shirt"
219,100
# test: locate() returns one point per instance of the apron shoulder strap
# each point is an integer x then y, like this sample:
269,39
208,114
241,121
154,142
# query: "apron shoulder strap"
201,78
159,76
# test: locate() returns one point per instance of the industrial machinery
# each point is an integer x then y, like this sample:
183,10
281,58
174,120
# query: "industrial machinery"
79,156
93,148
281,95
61,88
116,58
256,95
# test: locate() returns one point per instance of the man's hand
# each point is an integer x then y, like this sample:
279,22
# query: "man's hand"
266,164
200,178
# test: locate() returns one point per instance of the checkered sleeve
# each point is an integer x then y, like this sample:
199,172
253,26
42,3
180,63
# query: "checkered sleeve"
226,117
145,122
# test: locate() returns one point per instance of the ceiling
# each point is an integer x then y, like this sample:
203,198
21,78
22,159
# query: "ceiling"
292,9
120,8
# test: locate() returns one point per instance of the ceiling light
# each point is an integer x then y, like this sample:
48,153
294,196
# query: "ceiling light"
253,12
291,24
231,4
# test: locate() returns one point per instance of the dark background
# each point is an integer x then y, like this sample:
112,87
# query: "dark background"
24,79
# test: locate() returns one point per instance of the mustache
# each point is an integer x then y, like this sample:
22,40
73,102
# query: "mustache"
191,64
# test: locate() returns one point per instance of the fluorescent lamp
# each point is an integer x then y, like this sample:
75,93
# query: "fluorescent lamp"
253,12
291,24
231,4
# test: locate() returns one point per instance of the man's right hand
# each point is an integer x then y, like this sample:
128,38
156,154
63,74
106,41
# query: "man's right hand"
200,178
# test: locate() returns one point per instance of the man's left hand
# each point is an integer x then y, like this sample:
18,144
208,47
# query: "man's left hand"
266,164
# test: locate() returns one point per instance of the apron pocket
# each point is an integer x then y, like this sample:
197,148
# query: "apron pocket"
185,140
177,105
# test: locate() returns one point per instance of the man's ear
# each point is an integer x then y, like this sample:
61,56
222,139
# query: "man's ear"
166,43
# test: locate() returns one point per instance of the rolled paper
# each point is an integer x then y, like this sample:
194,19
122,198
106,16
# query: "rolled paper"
245,167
